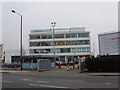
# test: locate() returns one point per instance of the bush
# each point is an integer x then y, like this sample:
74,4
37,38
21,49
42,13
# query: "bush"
108,63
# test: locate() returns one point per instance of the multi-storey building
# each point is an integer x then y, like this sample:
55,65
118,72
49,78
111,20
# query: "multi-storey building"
70,43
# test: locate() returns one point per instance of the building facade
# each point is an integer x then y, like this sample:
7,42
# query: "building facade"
1,50
109,43
69,43
11,56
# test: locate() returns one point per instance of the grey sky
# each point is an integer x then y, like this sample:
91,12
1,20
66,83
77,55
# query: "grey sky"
97,17
0,22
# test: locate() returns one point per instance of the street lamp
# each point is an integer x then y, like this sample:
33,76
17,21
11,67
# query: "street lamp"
20,36
53,25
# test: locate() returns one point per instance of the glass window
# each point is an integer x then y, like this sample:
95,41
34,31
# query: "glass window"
34,36
31,51
72,35
82,42
42,51
57,50
40,43
59,35
83,34
88,49
83,49
34,43
46,36
87,41
68,43
47,50
45,44
73,50
36,50
74,42
67,50
62,50
62,58
62,30
57,43
79,49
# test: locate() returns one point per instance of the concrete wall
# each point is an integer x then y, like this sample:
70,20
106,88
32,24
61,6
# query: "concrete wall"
9,53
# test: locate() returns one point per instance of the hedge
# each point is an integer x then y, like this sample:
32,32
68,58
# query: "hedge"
106,63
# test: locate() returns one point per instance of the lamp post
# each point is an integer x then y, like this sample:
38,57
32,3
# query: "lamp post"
21,37
53,25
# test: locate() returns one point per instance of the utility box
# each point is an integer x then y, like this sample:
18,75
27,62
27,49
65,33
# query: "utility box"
43,64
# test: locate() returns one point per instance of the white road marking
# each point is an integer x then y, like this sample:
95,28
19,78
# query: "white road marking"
35,81
26,79
107,83
33,84
47,86
7,81
43,81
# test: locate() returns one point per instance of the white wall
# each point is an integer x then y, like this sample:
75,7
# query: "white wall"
9,53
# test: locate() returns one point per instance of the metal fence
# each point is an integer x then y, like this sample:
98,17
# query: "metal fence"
43,64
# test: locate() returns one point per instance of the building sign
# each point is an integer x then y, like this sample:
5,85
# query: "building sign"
109,43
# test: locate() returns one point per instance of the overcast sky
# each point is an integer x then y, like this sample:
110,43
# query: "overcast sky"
97,17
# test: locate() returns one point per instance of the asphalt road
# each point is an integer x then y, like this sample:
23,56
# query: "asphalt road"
59,80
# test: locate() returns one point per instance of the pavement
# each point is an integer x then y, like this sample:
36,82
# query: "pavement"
104,74
65,71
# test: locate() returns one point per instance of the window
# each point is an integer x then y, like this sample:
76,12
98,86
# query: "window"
79,49
34,44
59,35
62,50
57,43
83,34
62,30
46,36
87,41
57,50
34,36
31,51
73,50
68,42
74,42
45,44
83,49
88,49
47,51
72,35
67,50
36,51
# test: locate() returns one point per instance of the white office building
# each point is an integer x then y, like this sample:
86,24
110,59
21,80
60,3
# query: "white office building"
70,43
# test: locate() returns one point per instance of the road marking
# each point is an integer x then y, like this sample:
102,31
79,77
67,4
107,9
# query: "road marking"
107,83
26,79
36,81
33,84
43,81
47,86
7,81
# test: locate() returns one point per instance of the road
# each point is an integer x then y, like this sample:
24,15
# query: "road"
59,80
